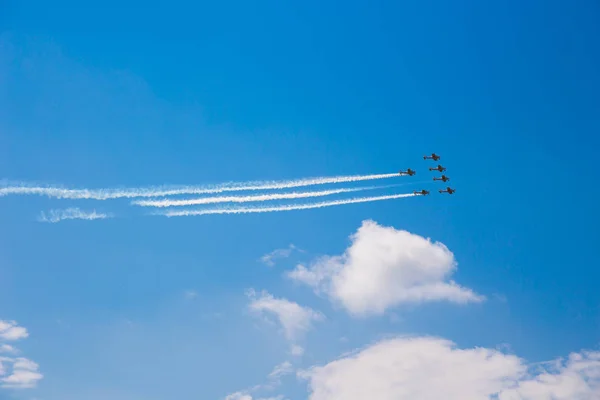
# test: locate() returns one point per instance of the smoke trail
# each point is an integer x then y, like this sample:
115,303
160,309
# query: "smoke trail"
290,207
105,194
248,199
71,213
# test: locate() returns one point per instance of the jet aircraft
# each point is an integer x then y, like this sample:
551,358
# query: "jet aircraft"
408,172
433,157
438,168
422,192
448,190
443,178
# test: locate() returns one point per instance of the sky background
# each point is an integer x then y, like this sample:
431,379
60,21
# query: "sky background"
133,94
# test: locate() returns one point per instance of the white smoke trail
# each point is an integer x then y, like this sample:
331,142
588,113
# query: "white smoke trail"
71,213
247,199
105,194
290,207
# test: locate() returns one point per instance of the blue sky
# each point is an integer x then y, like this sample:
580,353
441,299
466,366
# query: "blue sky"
133,95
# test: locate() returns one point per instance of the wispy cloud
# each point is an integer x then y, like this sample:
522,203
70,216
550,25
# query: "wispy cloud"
289,207
294,318
105,194
269,258
280,370
190,294
247,199
274,380
71,213
296,351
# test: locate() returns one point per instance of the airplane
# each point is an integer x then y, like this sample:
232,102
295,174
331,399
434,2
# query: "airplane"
407,172
438,168
422,192
443,178
433,157
448,190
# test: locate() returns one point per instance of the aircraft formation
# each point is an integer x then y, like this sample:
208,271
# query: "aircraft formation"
439,168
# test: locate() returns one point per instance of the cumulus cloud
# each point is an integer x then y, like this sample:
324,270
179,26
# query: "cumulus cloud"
71,213
577,378
269,259
385,267
294,319
25,374
3,361
427,368
10,330
7,349
16,373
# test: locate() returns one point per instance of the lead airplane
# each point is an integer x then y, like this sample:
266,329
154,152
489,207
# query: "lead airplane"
448,190
407,172
443,178
438,168
422,192
433,157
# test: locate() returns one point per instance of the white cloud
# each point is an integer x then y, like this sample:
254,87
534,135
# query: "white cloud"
10,330
294,318
428,368
274,380
25,374
190,294
383,268
16,373
25,364
246,396
238,396
3,361
71,213
269,258
7,349
281,370
296,350
577,378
